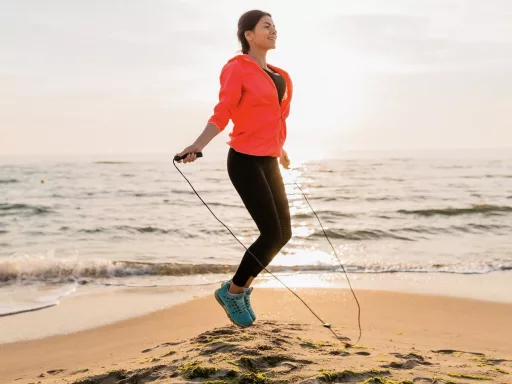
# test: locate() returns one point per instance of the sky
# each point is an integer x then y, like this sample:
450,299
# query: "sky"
142,77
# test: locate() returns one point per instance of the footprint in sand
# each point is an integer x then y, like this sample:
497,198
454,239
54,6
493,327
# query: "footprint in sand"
52,372
412,361
171,343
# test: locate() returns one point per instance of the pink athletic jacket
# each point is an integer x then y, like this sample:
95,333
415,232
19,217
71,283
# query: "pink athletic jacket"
248,96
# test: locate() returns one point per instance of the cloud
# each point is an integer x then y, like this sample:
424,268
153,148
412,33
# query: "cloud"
409,42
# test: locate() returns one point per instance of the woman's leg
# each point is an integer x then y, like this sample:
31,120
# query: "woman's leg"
276,184
247,173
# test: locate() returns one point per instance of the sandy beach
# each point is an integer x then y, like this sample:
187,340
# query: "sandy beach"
152,150
406,338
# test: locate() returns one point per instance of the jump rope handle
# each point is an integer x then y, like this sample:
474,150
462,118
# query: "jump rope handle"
178,158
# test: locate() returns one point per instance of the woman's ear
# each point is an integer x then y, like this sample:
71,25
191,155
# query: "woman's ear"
248,35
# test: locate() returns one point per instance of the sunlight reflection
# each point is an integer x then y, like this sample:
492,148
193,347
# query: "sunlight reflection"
302,231
296,281
303,257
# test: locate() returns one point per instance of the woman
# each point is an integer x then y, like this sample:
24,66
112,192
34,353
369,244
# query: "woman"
256,97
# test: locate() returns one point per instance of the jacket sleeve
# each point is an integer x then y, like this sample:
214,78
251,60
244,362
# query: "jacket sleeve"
229,95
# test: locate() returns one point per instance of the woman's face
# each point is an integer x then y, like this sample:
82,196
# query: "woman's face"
264,34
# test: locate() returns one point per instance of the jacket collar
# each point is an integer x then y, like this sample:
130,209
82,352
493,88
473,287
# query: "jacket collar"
247,58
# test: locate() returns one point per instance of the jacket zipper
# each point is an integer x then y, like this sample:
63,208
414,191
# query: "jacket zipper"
278,137
273,85
277,97
272,82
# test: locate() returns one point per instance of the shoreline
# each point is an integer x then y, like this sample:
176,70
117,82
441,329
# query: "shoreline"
82,310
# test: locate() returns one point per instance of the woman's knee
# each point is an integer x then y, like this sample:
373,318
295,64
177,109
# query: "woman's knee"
273,240
286,237
286,234
277,239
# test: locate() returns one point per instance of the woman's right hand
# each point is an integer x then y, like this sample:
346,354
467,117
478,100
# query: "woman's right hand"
191,150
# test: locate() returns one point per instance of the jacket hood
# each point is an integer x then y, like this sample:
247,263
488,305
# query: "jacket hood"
241,57
246,58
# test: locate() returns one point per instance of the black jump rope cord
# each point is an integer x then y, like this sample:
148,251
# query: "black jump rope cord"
326,325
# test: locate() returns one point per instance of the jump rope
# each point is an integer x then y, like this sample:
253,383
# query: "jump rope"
324,324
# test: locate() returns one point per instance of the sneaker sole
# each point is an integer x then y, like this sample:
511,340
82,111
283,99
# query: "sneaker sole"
227,312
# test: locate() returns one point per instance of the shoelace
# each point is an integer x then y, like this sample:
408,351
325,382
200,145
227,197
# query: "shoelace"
248,300
237,301
240,304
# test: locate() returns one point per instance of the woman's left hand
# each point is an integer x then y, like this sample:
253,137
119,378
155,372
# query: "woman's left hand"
284,160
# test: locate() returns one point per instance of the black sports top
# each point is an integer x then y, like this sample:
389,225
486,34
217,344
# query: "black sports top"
279,82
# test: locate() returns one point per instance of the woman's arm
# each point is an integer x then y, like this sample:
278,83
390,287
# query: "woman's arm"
209,132
284,160
229,94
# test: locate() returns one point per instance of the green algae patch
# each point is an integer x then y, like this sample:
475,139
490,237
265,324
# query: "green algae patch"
308,344
347,374
358,346
170,353
462,376
193,370
382,380
251,378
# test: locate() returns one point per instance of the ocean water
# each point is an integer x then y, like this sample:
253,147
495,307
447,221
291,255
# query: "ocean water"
71,222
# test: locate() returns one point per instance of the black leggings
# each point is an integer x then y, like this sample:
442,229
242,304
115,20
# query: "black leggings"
259,183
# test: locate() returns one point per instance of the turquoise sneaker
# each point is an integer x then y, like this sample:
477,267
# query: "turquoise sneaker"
234,306
247,299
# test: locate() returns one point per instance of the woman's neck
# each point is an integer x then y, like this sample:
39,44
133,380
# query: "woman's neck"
260,56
